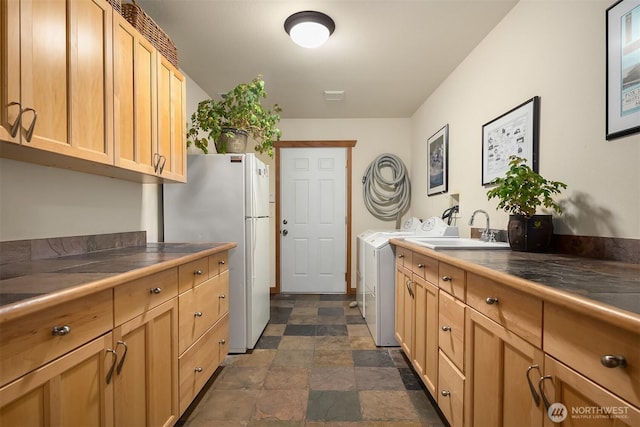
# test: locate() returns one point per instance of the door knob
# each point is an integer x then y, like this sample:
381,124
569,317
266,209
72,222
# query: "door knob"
284,221
285,232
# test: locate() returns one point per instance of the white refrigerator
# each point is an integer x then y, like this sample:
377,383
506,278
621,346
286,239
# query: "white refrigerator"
226,199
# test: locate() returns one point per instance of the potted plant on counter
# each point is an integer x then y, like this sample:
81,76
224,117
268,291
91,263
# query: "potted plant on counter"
229,122
521,192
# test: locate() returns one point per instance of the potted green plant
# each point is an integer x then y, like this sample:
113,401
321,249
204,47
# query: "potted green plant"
521,192
236,116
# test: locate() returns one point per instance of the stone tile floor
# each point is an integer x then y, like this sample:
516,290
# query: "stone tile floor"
315,365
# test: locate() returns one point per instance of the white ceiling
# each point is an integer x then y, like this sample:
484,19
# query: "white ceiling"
387,56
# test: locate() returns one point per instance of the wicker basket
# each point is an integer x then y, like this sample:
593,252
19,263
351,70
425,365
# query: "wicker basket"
117,5
150,30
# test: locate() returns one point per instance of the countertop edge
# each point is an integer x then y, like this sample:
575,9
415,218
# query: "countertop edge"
32,305
581,304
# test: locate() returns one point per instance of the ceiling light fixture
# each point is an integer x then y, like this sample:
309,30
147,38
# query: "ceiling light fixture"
309,29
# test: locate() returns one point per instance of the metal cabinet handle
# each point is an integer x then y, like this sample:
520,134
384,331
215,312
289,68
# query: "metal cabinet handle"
32,126
491,300
198,273
124,356
541,389
420,265
161,163
60,331
446,278
534,394
113,364
16,125
198,314
155,290
611,361
198,369
446,328
401,256
409,283
222,341
222,296
221,262
156,162
445,393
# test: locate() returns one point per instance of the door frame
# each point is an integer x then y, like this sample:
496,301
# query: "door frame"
348,145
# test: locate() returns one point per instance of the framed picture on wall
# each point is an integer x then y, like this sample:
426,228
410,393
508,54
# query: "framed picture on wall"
513,133
438,162
623,68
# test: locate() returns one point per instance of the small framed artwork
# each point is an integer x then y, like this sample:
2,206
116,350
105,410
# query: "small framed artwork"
513,133
623,69
438,162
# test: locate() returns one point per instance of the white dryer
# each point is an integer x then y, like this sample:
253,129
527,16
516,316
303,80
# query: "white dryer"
378,280
408,228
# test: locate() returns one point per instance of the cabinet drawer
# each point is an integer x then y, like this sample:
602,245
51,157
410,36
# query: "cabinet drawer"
200,308
201,360
28,342
517,311
450,391
192,274
136,297
452,280
580,342
218,263
425,267
403,257
451,328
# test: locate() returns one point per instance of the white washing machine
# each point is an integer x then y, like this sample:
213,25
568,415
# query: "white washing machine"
408,228
378,278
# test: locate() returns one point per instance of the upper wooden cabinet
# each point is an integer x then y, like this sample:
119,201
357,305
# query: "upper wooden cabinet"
134,100
58,70
78,82
171,156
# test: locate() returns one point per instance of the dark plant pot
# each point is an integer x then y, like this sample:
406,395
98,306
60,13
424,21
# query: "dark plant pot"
530,235
236,143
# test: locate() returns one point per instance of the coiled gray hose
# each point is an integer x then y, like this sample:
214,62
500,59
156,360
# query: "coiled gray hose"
387,198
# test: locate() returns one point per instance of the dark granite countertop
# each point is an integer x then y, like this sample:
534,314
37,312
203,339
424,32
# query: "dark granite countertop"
28,282
615,284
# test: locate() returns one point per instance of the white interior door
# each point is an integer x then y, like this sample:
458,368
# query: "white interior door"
313,220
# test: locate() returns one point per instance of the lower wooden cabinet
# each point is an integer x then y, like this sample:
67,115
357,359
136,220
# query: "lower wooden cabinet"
425,340
505,355
450,395
404,310
70,391
200,361
69,366
585,402
146,376
497,367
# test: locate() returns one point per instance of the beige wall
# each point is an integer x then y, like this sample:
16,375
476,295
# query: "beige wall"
555,50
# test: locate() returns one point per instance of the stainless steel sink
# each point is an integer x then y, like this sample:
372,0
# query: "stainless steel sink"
456,243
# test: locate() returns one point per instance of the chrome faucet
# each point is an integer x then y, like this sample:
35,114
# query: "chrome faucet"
487,234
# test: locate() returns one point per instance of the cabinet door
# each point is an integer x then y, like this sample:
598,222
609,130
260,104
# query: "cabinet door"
496,364
171,155
66,83
585,402
146,388
404,310
134,98
9,70
70,391
425,340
